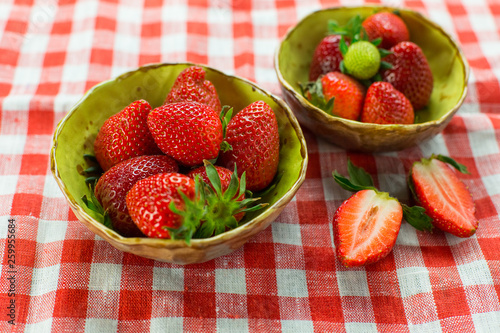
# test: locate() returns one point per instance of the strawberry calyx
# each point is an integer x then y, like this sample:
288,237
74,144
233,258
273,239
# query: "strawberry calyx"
94,205
191,214
360,180
223,206
313,91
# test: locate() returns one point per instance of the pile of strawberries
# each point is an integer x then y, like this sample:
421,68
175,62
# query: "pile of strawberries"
370,71
186,168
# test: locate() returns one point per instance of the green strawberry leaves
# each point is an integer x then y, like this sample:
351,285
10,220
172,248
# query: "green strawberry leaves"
460,167
313,91
94,205
360,180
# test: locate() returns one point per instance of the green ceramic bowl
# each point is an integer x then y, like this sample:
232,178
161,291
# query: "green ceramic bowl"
448,64
75,135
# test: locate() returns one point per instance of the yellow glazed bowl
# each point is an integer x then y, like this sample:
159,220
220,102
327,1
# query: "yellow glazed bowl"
76,133
448,64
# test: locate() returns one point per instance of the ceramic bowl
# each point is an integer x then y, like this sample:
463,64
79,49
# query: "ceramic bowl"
448,64
76,133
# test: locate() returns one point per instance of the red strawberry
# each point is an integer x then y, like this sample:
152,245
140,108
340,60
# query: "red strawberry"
386,105
387,26
190,132
125,135
225,176
326,57
366,227
254,138
114,184
444,196
410,73
346,94
191,86
149,204
367,224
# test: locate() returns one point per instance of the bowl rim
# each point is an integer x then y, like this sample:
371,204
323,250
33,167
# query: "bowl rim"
110,234
358,125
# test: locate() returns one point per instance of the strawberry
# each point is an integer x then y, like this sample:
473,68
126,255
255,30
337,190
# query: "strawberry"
385,105
114,184
190,132
367,224
125,135
155,204
191,86
362,60
326,57
387,26
346,94
366,227
253,135
444,196
410,73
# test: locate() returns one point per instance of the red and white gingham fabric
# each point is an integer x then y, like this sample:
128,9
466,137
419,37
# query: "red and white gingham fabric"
286,279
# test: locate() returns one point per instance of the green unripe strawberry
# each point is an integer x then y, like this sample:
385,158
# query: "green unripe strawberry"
362,60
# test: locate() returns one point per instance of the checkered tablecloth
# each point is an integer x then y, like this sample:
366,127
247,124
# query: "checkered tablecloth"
286,279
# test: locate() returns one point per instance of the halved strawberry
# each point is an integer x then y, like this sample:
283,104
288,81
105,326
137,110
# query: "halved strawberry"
190,132
191,86
125,135
367,224
446,199
366,227
114,184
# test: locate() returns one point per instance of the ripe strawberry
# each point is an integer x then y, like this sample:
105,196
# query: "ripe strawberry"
326,57
154,203
410,73
346,94
190,132
386,105
444,196
367,224
125,135
254,138
387,26
114,184
225,177
191,86
366,227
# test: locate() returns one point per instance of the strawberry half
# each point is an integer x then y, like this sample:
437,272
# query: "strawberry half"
366,227
163,206
444,196
113,185
337,94
367,224
125,135
385,105
191,86
410,73
190,132
253,135
387,26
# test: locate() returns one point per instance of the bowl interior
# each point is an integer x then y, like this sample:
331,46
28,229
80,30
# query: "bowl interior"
76,133
448,65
